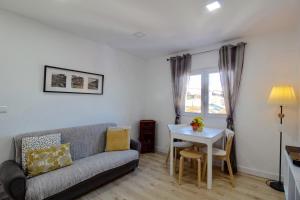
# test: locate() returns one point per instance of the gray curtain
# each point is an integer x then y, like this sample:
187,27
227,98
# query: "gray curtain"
231,60
180,71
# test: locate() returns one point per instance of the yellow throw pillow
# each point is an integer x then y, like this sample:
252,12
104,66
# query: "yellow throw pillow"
39,161
117,139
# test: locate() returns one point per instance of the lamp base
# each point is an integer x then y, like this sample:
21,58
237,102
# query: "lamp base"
277,185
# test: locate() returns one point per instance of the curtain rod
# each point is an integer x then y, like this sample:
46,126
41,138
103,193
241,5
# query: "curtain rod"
201,52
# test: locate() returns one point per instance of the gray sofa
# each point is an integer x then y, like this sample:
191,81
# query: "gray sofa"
91,168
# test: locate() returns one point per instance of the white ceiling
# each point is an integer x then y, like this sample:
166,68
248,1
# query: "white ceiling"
170,25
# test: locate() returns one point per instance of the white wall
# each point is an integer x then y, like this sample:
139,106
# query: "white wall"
270,59
26,47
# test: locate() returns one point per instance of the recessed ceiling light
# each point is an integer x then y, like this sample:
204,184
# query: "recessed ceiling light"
213,6
139,34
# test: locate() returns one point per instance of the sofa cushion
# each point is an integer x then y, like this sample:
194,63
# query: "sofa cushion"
85,140
45,185
41,161
117,139
38,142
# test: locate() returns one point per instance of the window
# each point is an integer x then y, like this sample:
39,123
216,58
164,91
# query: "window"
204,93
216,104
193,95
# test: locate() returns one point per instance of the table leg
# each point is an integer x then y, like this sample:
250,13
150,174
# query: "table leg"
209,166
223,147
171,156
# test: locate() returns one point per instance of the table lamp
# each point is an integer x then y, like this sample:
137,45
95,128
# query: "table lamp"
281,96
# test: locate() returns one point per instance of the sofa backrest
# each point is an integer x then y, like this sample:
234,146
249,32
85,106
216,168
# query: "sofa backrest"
85,140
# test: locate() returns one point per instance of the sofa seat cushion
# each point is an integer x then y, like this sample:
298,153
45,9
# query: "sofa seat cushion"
48,184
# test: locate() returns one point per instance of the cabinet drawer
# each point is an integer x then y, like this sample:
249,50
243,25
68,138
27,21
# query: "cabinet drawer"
147,125
147,132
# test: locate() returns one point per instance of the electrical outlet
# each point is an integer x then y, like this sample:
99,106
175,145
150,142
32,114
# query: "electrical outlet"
3,109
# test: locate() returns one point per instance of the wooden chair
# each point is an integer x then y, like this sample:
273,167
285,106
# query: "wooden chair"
223,155
190,154
198,146
177,145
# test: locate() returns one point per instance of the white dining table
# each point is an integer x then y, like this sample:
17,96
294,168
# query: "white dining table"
208,136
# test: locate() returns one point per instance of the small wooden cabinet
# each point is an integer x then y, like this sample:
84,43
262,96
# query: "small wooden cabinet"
147,136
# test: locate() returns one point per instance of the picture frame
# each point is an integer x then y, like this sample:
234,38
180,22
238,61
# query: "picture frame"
63,80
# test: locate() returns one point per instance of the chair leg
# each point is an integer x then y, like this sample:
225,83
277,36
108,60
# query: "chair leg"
230,171
181,166
195,148
195,164
199,172
175,159
168,156
204,168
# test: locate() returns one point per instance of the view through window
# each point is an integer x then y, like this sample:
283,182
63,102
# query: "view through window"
212,99
193,95
216,104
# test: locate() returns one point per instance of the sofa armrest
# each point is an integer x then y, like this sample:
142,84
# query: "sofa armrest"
13,179
135,145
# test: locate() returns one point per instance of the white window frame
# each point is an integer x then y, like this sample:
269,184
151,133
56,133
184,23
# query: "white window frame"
204,72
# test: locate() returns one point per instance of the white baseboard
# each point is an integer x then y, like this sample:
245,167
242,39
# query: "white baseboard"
259,173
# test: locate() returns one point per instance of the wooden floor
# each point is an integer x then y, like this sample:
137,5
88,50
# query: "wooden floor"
152,181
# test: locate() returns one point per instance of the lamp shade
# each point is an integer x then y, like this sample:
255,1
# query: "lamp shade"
282,95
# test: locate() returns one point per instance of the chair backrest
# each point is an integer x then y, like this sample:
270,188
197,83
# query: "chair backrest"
229,137
173,127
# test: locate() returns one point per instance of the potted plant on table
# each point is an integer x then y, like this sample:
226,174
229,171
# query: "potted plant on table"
197,124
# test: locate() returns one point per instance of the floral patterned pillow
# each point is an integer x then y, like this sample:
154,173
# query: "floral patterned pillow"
38,142
39,161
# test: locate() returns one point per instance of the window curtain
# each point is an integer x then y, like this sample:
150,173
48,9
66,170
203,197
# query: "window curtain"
180,71
231,60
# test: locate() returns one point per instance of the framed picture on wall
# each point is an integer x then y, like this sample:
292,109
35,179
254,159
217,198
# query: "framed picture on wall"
61,80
